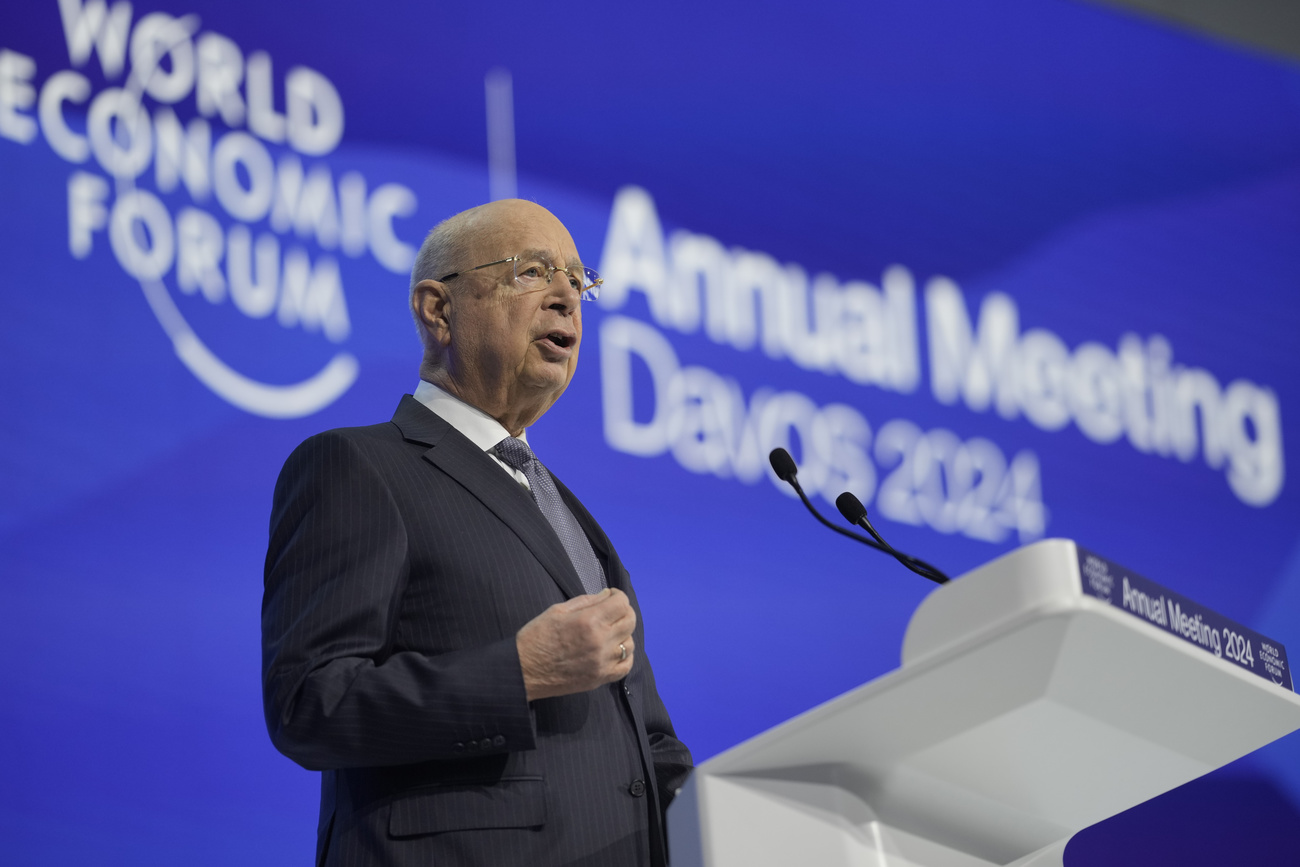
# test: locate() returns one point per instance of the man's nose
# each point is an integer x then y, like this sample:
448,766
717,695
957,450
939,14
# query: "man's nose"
561,288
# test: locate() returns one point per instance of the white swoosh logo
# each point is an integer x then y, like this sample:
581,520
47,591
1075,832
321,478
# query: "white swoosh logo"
271,401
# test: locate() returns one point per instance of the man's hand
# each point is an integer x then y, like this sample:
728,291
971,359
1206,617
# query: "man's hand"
573,646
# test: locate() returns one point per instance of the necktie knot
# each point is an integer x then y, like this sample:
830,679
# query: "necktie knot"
515,452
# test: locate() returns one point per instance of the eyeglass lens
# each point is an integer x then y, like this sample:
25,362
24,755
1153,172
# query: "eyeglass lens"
531,274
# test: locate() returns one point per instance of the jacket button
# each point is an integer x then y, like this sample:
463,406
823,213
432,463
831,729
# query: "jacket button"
458,747
473,746
499,741
486,743
637,789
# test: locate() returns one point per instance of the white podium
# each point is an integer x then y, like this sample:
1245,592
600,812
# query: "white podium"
1025,710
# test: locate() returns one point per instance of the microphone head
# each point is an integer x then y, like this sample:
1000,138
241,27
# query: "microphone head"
850,507
783,465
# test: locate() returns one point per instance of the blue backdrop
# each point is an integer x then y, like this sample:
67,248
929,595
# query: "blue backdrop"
1018,269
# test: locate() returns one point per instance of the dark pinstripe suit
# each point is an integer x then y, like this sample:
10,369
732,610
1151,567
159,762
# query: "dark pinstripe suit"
402,561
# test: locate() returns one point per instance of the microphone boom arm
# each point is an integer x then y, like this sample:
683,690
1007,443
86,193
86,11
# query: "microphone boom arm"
784,467
857,537
856,513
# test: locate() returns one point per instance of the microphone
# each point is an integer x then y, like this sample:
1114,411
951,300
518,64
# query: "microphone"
856,513
784,467
786,470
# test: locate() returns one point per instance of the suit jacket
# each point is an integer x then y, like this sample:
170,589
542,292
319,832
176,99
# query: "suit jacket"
402,561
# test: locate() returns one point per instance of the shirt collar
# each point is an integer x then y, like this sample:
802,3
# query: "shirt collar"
480,428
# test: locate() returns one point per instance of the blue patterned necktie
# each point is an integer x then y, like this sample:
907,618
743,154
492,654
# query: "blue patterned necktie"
516,453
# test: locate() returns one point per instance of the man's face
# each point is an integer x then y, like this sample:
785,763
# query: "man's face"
507,344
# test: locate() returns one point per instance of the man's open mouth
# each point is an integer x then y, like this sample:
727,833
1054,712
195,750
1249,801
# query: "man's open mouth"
560,339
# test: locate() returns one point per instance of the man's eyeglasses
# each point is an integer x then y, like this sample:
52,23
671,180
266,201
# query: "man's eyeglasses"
531,273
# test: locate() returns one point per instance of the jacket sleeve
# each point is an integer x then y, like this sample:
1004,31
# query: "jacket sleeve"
336,692
672,759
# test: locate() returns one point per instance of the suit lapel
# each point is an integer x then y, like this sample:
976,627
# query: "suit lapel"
469,465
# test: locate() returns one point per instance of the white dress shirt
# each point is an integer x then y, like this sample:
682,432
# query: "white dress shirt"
480,428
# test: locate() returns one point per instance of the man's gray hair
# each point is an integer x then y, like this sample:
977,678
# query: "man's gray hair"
440,254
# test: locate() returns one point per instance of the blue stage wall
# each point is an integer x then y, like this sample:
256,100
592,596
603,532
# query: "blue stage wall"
1007,270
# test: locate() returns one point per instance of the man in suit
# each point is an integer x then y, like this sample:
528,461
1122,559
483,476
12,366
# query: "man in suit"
447,633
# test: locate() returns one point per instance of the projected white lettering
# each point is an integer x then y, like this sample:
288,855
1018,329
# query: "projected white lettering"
16,95
868,334
745,299
1134,390
705,421
165,60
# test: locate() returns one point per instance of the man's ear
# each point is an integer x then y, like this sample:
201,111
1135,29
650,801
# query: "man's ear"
431,304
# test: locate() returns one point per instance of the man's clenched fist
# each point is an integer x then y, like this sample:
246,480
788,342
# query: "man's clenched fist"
574,646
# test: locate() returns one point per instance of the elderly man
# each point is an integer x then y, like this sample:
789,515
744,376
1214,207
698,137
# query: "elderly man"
447,633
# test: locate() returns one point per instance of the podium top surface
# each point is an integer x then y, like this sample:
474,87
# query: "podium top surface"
1057,575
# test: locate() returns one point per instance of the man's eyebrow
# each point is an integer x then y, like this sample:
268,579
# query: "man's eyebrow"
545,256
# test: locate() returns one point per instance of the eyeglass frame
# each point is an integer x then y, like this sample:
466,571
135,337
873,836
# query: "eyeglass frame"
589,292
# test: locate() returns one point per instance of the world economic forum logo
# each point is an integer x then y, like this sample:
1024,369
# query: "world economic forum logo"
240,209
1097,574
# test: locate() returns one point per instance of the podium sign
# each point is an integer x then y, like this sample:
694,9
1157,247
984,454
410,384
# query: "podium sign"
1180,616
